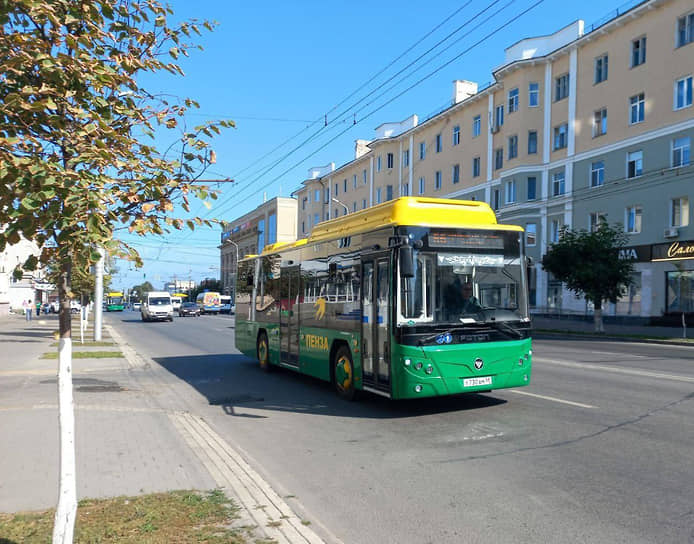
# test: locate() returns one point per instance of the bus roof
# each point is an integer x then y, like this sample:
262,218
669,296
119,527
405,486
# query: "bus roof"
404,211
115,294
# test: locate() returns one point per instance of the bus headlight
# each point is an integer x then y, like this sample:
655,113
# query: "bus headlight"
429,369
417,388
407,362
418,365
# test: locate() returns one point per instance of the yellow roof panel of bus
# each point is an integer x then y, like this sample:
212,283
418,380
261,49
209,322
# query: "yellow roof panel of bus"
404,211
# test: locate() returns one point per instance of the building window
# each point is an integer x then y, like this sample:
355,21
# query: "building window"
633,219
337,186
685,30
680,152
600,122
560,136
405,190
683,93
554,231
422,150
363,204
303,226
303,202
495,199
476,126
476,167
389,160
406,158
378,195
513,100
421,186
499,116
530,234
389,192
680,291
638,51
437,180
597,173
316,195
456,135
378,163
600,69
354,206
511,191
316,219
499,158
354,181
637,108
532,142
439,144
344,185
679,212
363,173
532,188
595,219
558,184
533,95
326,195
561,87
634,164
455,173
512,147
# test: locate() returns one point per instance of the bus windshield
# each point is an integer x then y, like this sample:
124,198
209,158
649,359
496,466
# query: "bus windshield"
464,277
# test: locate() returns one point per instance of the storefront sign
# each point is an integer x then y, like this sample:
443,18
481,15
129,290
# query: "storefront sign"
675,251
640,254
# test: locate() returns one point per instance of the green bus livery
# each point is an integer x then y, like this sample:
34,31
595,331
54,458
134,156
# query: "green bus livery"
412,298
115,302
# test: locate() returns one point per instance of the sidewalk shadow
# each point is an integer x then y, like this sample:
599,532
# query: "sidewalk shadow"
45,333
236,383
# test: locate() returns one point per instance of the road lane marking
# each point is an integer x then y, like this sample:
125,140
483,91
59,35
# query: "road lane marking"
553,399
590,366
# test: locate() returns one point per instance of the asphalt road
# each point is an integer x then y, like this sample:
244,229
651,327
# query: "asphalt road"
597,449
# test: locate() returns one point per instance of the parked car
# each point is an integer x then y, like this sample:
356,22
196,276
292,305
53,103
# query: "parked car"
137,306
189,308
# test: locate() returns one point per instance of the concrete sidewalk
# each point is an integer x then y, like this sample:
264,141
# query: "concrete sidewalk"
563,325
135,433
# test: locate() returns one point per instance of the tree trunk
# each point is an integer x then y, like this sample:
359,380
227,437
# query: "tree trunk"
598,317
66,510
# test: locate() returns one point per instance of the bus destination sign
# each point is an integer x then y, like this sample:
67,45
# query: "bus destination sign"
455,239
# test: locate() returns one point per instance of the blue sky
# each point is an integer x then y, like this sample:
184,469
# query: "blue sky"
278,69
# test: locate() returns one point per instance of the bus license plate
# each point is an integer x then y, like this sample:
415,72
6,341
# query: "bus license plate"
474,382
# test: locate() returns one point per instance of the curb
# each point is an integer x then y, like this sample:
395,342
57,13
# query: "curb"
564,335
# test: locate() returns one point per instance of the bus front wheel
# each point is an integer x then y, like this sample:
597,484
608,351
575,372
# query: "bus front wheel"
263,352
343,373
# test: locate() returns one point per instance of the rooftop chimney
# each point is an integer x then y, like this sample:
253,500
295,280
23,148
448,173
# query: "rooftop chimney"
463,89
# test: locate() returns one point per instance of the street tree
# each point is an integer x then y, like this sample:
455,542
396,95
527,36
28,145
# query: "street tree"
79,159
591,264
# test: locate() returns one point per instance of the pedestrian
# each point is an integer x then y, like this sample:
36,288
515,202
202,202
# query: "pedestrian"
27,309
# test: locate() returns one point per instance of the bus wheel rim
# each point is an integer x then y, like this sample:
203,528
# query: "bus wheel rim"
343,374
262,353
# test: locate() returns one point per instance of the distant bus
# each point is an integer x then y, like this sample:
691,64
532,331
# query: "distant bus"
209,302
115,302
227,307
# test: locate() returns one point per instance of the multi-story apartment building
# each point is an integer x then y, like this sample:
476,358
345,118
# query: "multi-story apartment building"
273,221
578,127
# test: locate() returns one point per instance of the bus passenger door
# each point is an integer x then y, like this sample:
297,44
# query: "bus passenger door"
289,316
376,323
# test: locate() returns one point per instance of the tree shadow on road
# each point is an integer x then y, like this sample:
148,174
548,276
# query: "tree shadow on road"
242,389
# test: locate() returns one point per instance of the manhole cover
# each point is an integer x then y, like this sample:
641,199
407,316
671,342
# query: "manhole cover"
92,385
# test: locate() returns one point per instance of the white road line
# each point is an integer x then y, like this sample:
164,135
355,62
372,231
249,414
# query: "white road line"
553,399
632,372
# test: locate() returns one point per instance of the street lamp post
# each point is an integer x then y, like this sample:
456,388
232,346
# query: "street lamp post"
336,201
236,261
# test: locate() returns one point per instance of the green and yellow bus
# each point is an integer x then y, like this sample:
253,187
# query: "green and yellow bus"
371,301
115,302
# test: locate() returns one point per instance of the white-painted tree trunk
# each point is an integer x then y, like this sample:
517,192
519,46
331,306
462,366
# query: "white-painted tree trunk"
598,320
64,523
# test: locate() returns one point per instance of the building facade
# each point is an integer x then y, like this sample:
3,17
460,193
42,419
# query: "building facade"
31,286
271,222
578,127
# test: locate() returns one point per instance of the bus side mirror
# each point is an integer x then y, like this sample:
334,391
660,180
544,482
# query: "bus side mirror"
406,257
249,281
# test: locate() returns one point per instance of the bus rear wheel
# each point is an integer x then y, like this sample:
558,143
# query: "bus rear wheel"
343,373
263,352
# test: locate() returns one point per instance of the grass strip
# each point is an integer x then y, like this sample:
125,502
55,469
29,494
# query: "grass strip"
176,516
85,355
87,344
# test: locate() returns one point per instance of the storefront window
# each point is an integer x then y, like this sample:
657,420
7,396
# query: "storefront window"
680,291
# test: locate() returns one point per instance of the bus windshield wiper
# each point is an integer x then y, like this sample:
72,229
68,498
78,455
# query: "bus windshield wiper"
504,327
